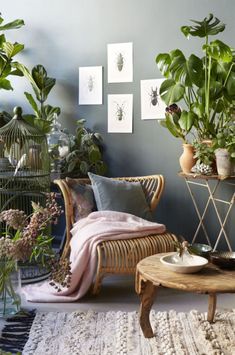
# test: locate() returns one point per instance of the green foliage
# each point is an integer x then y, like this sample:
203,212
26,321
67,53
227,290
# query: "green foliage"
85,153
178,122
225,139
8,51
206,85
42,86
204,153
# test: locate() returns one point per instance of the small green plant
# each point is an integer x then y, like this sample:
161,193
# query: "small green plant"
225,139
85,153
42,85
204,153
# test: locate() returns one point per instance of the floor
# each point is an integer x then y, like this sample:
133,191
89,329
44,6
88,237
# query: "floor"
117,293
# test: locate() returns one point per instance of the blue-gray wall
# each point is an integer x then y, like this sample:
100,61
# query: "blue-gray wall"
63,35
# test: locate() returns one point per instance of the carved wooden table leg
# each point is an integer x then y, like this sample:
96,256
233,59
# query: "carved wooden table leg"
147,294
211,307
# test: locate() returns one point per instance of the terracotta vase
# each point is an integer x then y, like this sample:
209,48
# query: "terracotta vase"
186,160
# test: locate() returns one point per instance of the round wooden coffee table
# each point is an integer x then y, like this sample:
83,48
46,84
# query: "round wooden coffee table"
151,274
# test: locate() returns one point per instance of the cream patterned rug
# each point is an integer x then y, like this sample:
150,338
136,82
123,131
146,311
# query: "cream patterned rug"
118,333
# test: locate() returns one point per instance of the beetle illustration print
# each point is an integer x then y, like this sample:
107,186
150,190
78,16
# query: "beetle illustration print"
120,61
120,111
154,97
90,83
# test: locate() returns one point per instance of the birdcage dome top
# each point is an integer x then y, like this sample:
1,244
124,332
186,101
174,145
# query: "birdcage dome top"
19,127
23,152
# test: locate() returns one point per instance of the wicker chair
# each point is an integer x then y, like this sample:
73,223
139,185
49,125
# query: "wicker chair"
122,256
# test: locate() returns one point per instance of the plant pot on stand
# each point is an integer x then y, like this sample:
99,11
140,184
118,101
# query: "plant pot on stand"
223,162
187,160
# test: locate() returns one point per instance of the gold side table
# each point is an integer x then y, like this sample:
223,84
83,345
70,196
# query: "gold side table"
204,181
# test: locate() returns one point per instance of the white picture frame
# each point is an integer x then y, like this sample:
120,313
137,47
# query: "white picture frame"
152,106
120,62
120,113
90,85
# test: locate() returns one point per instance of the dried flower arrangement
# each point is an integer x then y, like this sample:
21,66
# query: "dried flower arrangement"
26,238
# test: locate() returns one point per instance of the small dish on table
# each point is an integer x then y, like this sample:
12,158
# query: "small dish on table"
200,249
189,265
223,259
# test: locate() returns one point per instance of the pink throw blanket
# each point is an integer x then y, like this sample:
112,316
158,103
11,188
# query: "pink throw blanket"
86,234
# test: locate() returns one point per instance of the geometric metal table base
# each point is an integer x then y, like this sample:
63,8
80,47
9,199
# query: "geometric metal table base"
192,179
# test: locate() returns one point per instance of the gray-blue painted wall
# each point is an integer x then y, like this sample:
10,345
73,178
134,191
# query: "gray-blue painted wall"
63,35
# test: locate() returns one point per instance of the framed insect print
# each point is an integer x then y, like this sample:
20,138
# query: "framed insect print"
152,106
90,86
120,113
120,62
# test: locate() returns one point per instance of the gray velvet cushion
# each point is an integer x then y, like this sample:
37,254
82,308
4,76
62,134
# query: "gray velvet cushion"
121,196
82,197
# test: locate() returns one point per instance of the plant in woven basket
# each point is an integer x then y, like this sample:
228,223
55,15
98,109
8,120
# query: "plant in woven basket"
26,238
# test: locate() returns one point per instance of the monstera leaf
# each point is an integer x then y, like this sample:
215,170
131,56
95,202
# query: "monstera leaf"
219,51
186,120
11,25
171,91
208,27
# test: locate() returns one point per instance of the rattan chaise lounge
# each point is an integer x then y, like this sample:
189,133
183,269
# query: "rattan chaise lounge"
122,256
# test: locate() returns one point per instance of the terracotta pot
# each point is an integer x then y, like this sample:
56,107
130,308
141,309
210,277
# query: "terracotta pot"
223,162
186,160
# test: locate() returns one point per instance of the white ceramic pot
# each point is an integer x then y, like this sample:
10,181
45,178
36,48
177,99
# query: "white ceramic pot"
223,162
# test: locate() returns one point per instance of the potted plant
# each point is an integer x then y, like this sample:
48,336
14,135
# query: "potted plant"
85,153
224,147
179,128
206,85
205,156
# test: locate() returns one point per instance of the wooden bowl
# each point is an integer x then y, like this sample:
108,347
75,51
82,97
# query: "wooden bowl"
223,259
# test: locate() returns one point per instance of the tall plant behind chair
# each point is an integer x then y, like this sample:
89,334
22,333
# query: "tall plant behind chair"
42,85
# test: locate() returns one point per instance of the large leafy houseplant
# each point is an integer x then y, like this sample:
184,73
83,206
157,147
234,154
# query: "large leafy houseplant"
206,85
42,85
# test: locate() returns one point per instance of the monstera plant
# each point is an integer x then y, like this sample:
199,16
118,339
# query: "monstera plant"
205,85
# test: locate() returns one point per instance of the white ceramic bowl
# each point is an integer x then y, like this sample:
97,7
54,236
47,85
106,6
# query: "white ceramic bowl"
188,265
